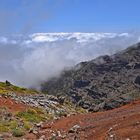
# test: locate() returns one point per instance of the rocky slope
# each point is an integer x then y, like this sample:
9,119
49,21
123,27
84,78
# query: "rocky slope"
101,84
20,121
23,111
118,124
54,106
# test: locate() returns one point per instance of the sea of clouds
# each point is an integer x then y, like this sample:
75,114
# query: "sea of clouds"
28,60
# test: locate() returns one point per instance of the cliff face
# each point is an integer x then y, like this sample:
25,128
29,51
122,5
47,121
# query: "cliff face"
103,83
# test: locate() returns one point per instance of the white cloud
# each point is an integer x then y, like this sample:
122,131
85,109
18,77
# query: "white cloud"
3,40
28,60
80,37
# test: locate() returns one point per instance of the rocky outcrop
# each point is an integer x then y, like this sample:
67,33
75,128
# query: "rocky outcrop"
103,83
53,105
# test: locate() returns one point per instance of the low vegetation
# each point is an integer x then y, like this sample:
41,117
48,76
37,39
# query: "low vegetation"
18,132
7,87
21,122
18,122
32,115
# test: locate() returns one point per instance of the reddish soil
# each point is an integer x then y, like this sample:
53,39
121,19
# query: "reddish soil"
12,105
119,124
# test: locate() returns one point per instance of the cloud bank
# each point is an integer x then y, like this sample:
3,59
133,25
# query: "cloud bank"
29,60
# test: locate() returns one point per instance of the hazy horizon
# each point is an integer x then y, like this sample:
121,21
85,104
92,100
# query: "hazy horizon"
31,59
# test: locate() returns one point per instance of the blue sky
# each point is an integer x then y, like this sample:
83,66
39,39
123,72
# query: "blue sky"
28,16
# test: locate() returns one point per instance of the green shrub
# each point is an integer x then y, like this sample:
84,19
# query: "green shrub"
27,125
13,124
18,132
31,115
3,128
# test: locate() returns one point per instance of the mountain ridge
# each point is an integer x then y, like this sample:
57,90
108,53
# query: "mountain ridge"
103,83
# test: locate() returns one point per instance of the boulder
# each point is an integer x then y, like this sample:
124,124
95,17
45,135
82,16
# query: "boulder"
81,83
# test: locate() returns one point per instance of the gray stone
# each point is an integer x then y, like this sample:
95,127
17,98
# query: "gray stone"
74,129
39,124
